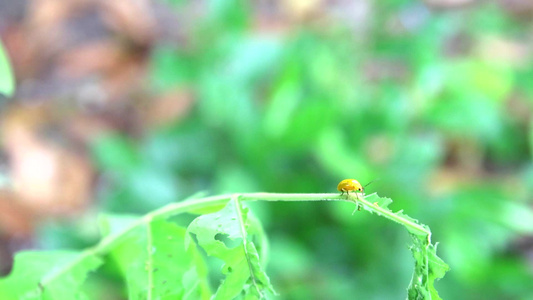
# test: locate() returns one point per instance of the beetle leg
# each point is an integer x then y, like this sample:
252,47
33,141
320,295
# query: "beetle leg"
358,204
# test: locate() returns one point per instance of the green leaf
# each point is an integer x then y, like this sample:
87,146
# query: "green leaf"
153,259
48,275
158,259
244,273
410,224
7,82
428,266
177,272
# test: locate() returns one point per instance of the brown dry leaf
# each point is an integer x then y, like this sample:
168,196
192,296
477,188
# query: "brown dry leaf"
45,24
133,18
46,178
85,129
98,56
47,32
47,15
126,79
22,56
73,182
171,106
16,220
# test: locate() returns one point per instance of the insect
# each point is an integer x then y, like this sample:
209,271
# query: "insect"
348,185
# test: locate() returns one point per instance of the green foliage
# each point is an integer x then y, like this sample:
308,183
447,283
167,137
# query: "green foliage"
428,266
418,97
48,275
7,81
242,268
153,260
412,95
158,259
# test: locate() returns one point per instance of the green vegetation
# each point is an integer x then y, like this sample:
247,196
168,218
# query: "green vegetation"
437,104
158,259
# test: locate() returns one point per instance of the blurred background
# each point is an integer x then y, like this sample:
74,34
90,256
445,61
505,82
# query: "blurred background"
124,106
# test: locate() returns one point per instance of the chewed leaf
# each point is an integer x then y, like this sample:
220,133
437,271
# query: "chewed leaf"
244,274
261,278
48,275
160,260
379,201
154,261
379,206
428,266
176,271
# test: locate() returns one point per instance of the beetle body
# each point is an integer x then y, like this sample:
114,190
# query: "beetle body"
348,185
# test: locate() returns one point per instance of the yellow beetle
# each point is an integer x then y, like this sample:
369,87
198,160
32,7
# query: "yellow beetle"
348,185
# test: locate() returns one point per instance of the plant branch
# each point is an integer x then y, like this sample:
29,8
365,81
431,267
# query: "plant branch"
174,209
235,199
150,263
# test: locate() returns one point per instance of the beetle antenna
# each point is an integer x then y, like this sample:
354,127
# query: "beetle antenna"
370,182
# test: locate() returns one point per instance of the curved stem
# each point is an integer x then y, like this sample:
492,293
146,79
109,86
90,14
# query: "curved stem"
177,208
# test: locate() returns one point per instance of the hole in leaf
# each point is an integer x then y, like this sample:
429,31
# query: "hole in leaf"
229,242
221,237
